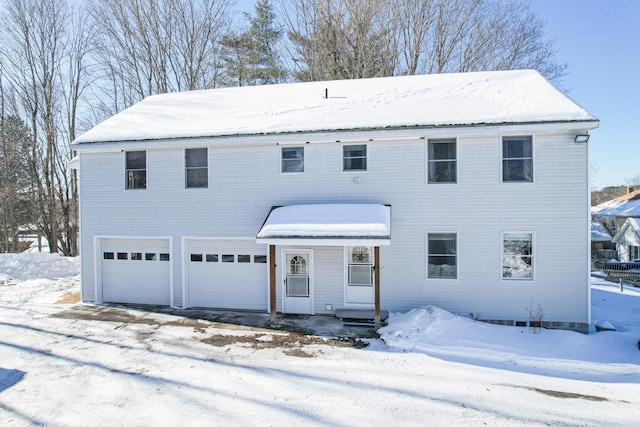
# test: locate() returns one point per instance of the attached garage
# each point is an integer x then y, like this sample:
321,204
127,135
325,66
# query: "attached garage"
135,271
226,274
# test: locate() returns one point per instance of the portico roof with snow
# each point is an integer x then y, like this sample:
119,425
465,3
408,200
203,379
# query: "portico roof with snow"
328,224
434,100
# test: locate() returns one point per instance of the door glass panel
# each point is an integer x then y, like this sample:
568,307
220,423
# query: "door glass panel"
297,280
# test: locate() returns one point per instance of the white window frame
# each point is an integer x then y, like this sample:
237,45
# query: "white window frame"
282,159
533,257
503,159
457,255
127,169
430,161
187,168
366,157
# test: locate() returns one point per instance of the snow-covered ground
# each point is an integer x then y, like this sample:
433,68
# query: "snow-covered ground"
433,368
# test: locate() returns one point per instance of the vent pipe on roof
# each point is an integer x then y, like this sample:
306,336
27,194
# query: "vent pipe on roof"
629,190
326,93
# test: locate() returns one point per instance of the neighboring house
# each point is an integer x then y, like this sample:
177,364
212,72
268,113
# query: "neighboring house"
452,190
602,248
613,213
627,240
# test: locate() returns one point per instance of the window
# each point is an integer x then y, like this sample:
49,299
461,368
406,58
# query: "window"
517,256
292,159
260,259
360,268
212,257
442,258
108,255
136,169
244,258
354,157
123,256
442,160
136,256
196,257
228,258
517,159
150,256
196,168
164,257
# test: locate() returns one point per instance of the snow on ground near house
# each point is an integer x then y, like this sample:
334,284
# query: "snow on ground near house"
437,369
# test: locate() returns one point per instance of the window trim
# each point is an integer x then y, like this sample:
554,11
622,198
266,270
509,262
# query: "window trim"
126,170
187,168
533,257
453,140
366,157
282,159
457,255
502,159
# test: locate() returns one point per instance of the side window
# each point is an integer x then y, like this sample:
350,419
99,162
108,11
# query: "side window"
136,169
442,160
196,168
292,159
354,157
517,159
442,255
517,256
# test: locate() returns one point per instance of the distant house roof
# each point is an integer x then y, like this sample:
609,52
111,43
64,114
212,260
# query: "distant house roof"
634,223
461,99
599,233
627,205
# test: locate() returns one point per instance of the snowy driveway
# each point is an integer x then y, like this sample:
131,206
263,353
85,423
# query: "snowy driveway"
67,372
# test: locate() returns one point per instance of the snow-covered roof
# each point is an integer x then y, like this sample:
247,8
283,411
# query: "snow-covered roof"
627,205
459,99
370,223
599,233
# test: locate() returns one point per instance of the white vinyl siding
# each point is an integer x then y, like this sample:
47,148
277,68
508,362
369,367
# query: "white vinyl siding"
239,198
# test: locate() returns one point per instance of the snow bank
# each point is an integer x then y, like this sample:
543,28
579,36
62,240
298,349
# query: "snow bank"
29,266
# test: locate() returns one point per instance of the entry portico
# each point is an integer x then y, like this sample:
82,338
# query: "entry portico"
360,228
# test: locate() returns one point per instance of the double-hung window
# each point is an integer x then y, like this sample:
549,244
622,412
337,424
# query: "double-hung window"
517,159
442,258
517,256
354,157
292,159
196,168
442,160
136,169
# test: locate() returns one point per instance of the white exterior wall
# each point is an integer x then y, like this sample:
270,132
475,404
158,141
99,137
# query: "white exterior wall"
245,182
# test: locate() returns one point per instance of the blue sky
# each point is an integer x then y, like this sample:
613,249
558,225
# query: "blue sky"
600,42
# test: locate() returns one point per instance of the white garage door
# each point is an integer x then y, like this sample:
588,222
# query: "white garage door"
227,274
136,271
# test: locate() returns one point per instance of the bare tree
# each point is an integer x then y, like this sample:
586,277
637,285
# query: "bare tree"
147,47
44,65
341,39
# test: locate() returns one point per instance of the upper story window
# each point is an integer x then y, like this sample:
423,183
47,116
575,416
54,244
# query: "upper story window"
442,160
136,169
517,159
292,159
354,157
196,168
442,255
517,256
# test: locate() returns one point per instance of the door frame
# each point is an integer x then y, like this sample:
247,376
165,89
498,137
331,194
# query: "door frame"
292,300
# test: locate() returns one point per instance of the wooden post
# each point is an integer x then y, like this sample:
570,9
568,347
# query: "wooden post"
621,287
376,261
272,284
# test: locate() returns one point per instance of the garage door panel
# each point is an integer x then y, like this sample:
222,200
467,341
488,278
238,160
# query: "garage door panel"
136,271
219,284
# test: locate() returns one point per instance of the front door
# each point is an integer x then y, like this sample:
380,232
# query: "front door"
298,282
360,275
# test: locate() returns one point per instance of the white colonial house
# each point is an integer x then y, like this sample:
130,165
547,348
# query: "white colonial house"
466,191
